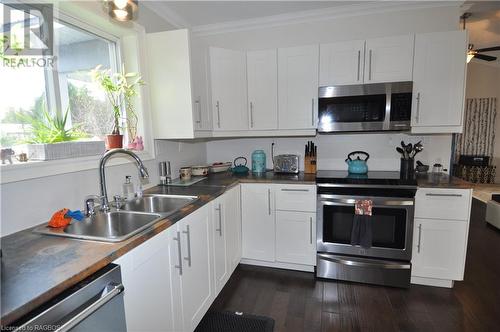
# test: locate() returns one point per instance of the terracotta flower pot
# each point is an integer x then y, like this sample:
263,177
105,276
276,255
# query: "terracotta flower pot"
114,142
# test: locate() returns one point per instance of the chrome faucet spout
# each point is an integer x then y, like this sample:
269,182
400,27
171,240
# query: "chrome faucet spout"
143,172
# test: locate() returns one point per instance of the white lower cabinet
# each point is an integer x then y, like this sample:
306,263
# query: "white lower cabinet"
440,248
148,288
278,237
226,233
257,219
192,266
440,234
169,280
295,237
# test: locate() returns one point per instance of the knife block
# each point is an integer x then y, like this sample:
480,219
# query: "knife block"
310,165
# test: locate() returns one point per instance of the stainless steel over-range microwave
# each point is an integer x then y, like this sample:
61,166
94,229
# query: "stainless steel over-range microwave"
365,107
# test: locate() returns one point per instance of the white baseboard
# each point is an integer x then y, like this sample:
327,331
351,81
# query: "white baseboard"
432,282
279,265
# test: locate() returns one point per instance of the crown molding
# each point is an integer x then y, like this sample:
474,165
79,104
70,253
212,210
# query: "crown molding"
162,10
366,8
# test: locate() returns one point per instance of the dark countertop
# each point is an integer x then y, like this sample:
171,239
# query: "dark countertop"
36,268
445,181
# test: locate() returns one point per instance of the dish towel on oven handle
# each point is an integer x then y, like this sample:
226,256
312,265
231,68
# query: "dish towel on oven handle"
361,233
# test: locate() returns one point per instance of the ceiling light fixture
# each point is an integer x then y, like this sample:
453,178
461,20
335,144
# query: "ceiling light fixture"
122,10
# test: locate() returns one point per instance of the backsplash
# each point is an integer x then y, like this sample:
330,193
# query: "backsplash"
28,203
333,149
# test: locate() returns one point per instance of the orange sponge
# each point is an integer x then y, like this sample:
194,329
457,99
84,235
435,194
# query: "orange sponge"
59,219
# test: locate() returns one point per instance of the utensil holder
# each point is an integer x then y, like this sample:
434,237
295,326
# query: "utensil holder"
407,169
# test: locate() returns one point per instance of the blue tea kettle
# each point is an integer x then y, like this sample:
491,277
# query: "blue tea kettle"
357,166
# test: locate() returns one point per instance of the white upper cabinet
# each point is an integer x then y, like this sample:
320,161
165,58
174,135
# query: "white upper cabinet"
298,87
262,70
342,63
229,89
439,82
199,74
389,59
177,103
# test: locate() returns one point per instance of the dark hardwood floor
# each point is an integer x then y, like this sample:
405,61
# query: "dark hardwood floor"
299,302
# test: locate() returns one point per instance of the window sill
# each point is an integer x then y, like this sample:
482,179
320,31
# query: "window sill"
38,169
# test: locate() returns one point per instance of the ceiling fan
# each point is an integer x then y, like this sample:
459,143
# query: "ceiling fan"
476,53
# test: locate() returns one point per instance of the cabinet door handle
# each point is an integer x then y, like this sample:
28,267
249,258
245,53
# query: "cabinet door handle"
269,200
220,220
311,230
188,238
417,116
370,66
443,195
178,239
217,105
251,114
419,237
312,112
359,62
302,190
198,103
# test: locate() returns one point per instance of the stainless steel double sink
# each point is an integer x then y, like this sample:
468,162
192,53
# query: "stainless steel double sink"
118,225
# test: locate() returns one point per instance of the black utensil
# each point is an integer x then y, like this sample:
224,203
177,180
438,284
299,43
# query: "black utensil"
400,150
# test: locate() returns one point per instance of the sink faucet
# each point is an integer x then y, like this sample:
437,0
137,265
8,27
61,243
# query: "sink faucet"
143,172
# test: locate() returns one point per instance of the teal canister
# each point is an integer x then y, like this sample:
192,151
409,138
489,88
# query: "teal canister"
258,161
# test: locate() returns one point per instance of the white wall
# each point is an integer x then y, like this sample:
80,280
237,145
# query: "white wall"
333,149
483,81
27,203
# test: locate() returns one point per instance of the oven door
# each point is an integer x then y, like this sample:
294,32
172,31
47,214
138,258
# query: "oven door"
392,226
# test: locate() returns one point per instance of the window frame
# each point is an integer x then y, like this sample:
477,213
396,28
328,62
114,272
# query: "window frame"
131,48
116,60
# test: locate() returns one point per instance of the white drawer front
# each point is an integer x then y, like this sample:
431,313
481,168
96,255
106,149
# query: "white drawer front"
296,198
450,204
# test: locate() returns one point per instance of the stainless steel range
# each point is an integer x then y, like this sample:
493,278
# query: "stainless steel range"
387,260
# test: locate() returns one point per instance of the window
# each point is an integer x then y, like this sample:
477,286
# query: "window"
66,86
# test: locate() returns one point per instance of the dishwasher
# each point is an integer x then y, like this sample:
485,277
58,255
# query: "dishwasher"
94,304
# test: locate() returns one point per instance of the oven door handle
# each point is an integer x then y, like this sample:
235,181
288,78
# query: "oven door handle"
352,201
403,266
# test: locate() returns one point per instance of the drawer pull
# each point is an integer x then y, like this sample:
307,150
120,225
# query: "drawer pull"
301,190
419,237
443,195
310,230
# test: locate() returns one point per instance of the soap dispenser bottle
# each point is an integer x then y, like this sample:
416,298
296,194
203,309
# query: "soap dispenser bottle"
128,188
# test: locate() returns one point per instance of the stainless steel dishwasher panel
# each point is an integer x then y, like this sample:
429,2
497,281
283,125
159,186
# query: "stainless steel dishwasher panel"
95,304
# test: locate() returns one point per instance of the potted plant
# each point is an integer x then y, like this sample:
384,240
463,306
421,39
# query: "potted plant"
118,89
50,138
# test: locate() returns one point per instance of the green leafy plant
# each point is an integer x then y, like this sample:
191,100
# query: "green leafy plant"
119,87
51,129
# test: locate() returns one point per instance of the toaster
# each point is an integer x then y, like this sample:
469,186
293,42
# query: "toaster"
286,163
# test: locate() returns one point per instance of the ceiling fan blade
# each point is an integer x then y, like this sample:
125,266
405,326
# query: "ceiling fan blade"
485,57
488,49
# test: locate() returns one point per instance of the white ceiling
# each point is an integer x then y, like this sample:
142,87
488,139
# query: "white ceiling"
196,13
